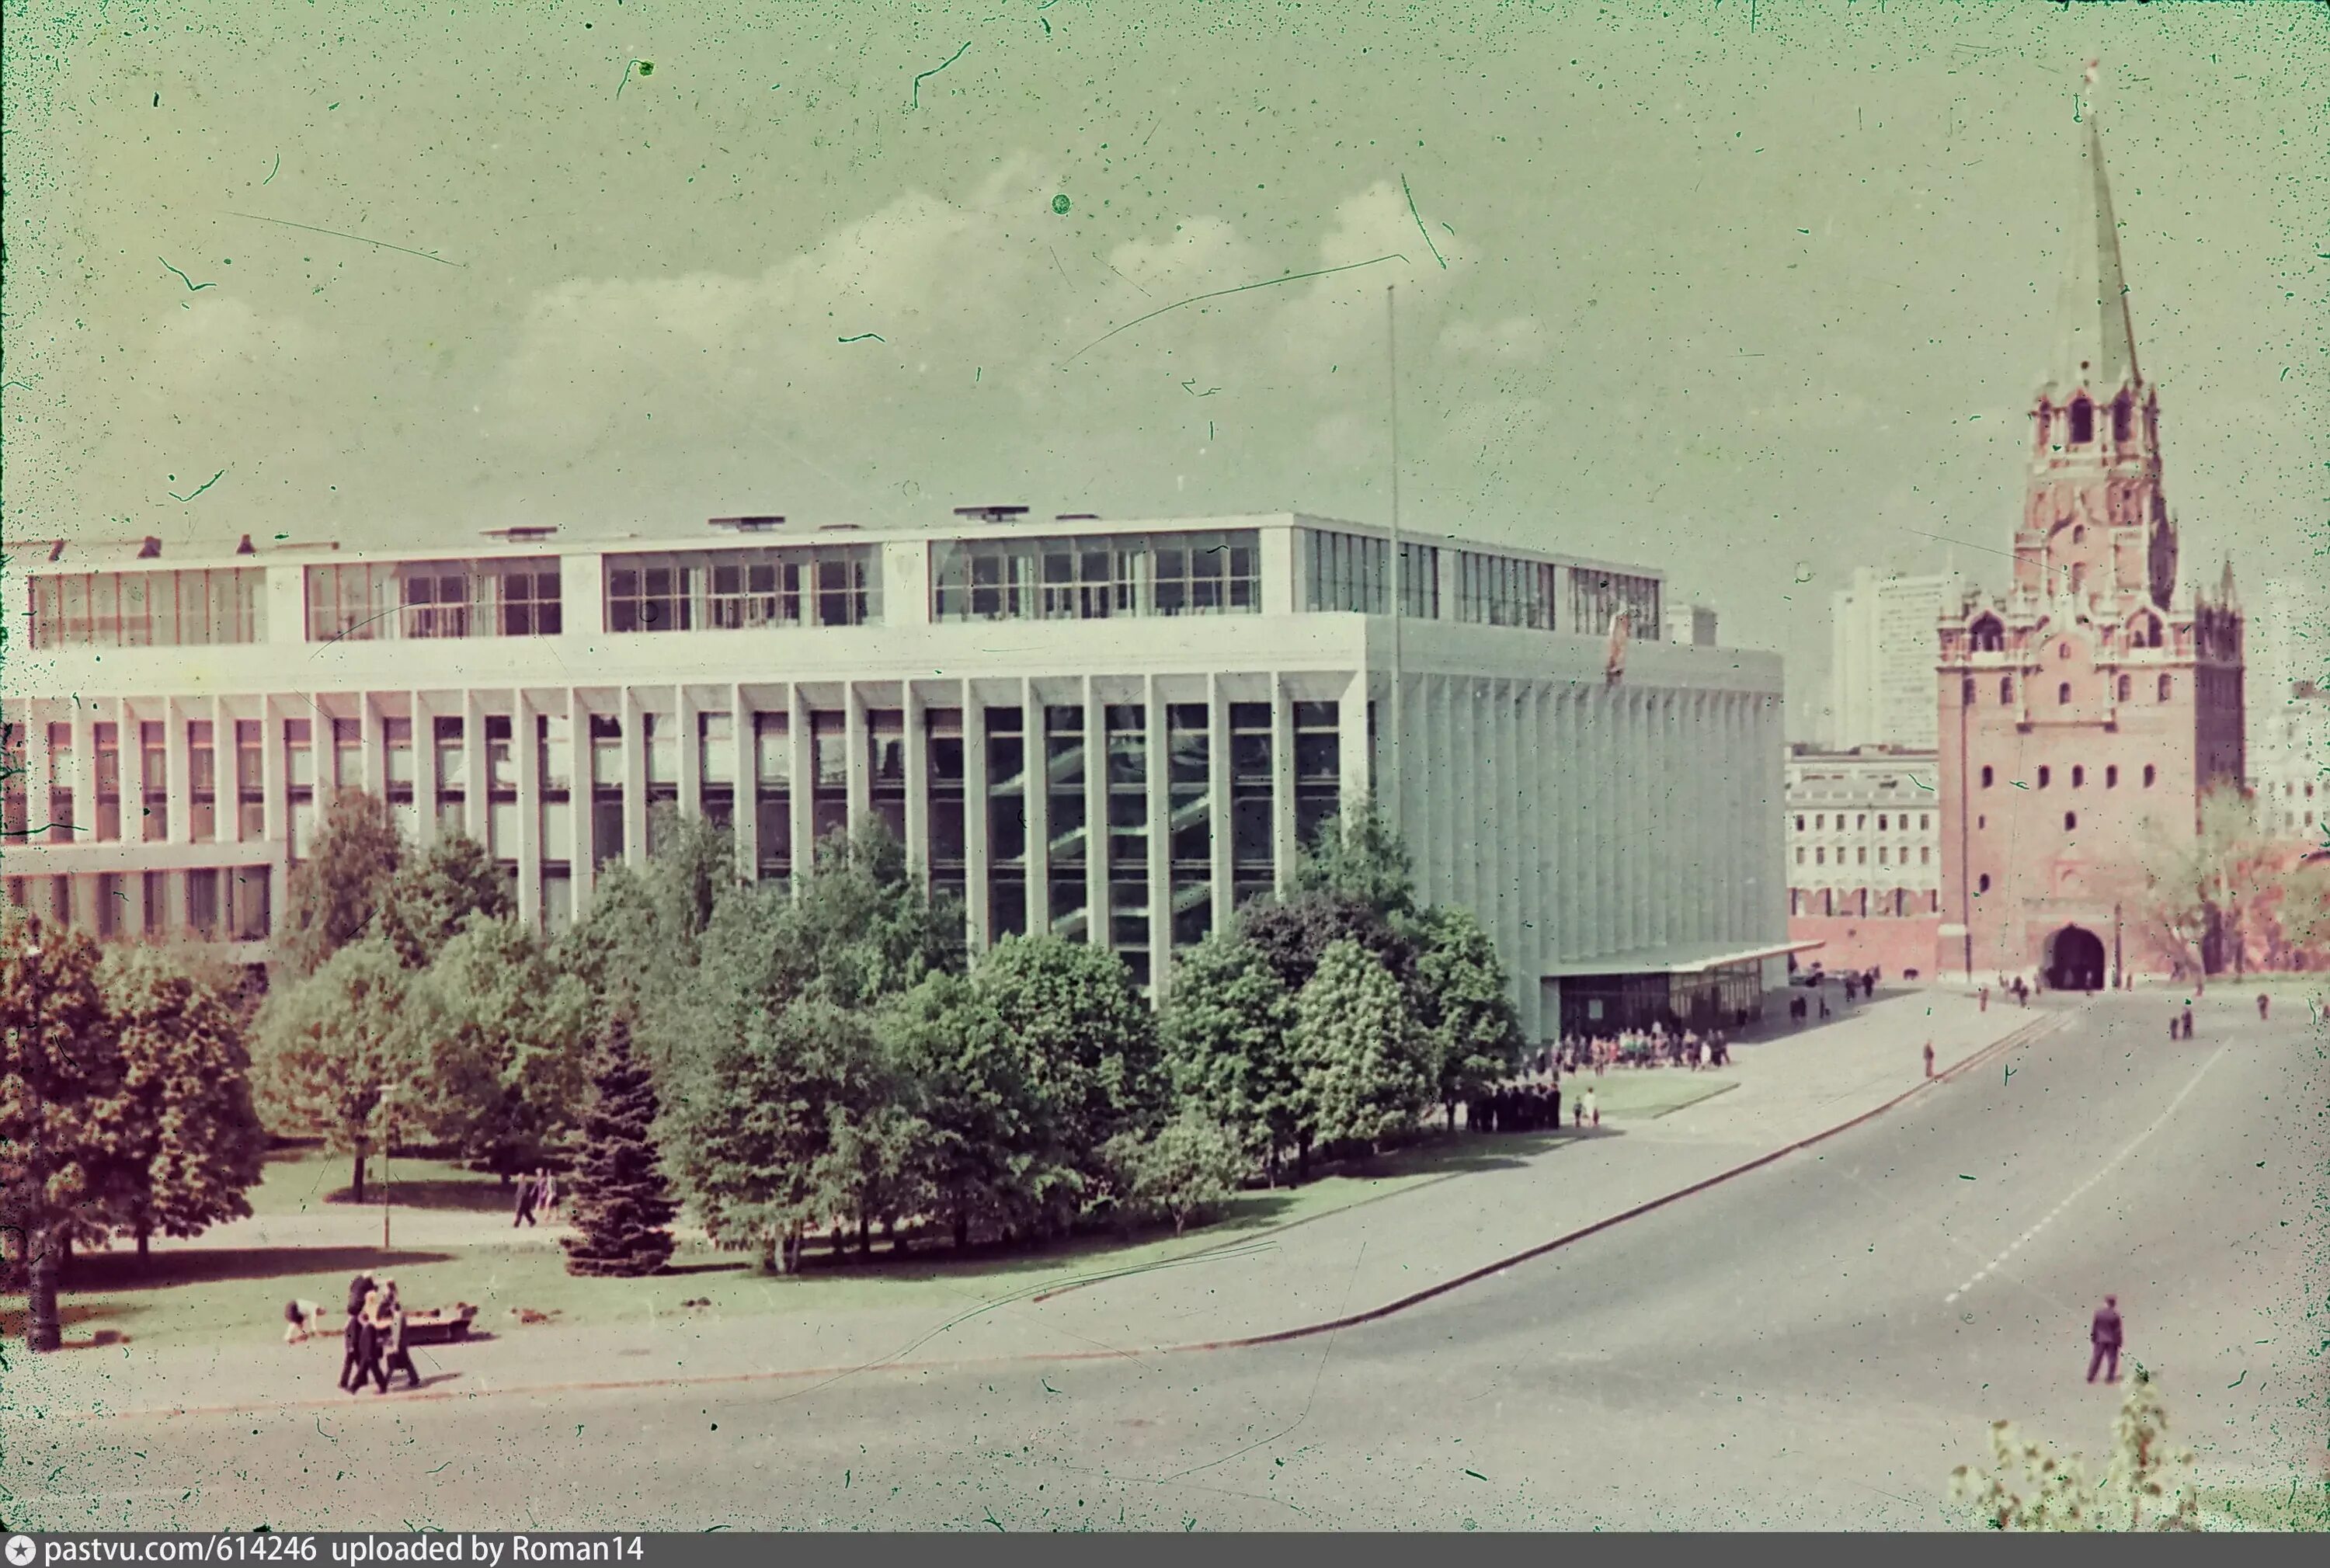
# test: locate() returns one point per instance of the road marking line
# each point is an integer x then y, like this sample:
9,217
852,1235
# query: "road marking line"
2109,1166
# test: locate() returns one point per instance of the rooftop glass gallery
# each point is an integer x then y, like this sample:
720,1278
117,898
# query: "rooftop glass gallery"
1033,576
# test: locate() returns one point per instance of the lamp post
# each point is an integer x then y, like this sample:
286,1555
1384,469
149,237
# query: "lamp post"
2117,972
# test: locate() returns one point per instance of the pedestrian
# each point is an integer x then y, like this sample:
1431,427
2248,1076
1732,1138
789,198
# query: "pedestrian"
1706,1054
1985,999
528,1194
392,1333
1592,1111
2263,1001
1554,1106
351,1359
300,1320
1930,1058
1850,986
549,1195
2175,1025
1824,1002
358,1288
2104,1335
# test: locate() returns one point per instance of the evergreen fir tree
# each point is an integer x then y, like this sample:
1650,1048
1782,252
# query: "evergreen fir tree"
621,1204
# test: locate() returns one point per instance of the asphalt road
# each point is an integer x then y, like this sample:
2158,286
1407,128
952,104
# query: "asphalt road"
1812,1345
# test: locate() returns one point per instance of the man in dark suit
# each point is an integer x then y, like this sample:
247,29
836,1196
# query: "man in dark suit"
2104,1335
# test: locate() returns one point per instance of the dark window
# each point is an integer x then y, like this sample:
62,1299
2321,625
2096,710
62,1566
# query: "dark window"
2078,777
2150,773
2070,820
2045,774
1965,692
2167,686
1989,636
2063,695
2006,690
2123,420
1981,884
1986,776
2111,777
2083,421
2125,688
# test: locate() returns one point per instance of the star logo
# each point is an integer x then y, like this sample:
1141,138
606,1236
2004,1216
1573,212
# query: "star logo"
20,1550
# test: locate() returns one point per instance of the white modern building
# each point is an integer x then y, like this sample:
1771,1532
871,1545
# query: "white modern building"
2288,707
1117,731
1865,831
1883,646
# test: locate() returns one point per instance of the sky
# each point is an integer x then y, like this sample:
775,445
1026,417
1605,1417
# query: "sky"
1751,291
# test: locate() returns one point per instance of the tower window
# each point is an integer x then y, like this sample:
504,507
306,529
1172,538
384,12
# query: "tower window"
2150,773
1880,825
1986,778
2063,695
2111,777
2071,821
2126,686
1983,883
2079,536
2123,420
1981,823
2005,691
2063,648
2044,775
1966,693
1800,825
2167,685
2078,777
2083,421
1989,636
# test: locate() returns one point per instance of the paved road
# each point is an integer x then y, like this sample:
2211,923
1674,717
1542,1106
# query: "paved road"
1812,1345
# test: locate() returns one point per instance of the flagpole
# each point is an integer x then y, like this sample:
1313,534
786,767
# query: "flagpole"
1398,575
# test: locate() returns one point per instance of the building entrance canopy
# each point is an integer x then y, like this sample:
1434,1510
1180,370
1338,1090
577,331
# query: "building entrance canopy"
1698,988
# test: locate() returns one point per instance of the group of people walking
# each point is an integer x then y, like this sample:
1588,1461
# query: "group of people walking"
375,1348
537,1195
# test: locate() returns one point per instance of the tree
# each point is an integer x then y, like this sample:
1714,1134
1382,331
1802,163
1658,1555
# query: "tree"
335,891
620,1204
1188,1168
2147,1484
189,1142
508,1067
339,1053
1090,1044
2201,892
1360,856
1464,1006
1294,933
861,928
1225,1035
429,900
61,1083
1360,1054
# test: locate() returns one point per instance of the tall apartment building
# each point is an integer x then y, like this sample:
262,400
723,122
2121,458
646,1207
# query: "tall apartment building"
2288,708
1881,670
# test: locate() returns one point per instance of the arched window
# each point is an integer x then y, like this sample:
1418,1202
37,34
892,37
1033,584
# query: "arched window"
2123,418
2071,821
2006,690
2063,648
2083,421
2111,777
1983,883
2167,685
2063,695
1989,636
2078,776
2079,533
2126,686
2150,773
1880,825
1985,777
2044,775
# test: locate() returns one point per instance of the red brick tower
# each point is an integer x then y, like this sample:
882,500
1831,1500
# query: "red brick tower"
2085,712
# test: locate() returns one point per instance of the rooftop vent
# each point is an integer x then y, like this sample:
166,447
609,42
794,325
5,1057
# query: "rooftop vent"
840,528
992,513
520,533
1077,517
150,548
749,525
246,547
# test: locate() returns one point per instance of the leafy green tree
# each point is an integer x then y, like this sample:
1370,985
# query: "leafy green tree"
335,893
1358,856
1362,1057
1463,1003
621,1203
1187,1168
61,1088
758,1134
2203,893
1294,933
986,1153
430,899
507,1059
1090,1042
2146,1484
186,1135
861,928
340,1054
1226,1033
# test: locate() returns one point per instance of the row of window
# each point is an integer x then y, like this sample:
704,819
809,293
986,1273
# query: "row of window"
746,590
2164,690
2046,776
1861,900
1093,578
148,608
1860,821
2077,423
384,601
1884,852
1501,590
219,905
1351,574
1989,634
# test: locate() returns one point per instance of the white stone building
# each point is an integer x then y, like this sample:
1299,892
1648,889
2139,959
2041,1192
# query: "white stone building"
1114,730
1881,671
2288,708
1864,832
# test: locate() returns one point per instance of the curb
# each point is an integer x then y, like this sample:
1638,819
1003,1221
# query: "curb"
2035,1029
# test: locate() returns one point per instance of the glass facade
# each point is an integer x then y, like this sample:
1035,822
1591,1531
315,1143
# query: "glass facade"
377,600
1253,853
1502,590
148,608
949,854
1064,809
1007,819
1128,836
1351,573
1188,820
1217,572
1596,596
745,589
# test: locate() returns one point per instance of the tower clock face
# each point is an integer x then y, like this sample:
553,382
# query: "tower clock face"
2164,563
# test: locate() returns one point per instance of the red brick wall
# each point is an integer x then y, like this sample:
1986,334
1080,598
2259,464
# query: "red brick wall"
1894,945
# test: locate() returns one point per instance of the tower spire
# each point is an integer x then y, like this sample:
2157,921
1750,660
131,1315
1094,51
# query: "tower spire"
2094,342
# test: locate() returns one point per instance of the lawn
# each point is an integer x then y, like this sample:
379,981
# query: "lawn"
214,1295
